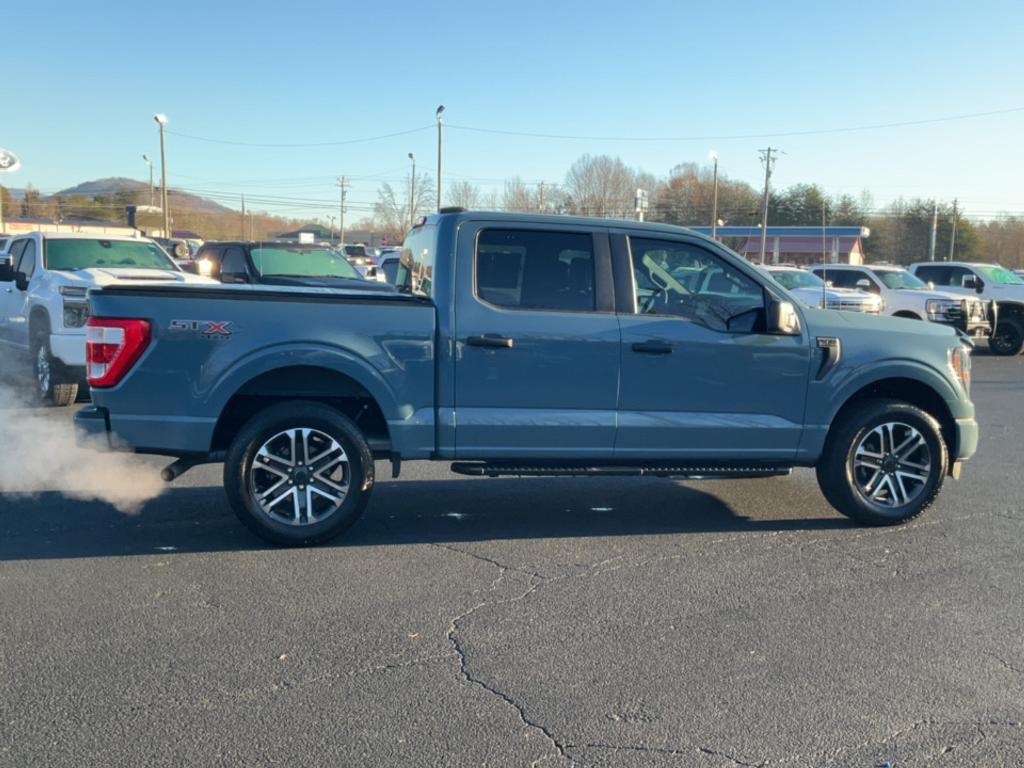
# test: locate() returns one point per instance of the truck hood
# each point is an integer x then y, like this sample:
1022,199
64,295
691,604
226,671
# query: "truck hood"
881,327
923,295
99,277
1005,292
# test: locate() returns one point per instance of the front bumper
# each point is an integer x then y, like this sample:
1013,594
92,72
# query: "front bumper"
967,433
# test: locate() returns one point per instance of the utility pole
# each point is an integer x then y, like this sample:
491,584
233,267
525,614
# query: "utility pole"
161,120
343,186
243,215
714,204
412,192
766,157
541,195
952,237
935,226
440,153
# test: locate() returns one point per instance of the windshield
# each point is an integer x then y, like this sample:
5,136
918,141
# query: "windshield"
282,261
1000,275
792,279
87,254
899,279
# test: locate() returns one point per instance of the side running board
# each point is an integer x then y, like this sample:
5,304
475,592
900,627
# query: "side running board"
690,471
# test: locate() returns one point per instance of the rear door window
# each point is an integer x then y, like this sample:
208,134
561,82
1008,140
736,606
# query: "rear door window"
528,269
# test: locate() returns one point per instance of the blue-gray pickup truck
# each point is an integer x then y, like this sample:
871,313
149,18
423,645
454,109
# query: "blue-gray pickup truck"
527,345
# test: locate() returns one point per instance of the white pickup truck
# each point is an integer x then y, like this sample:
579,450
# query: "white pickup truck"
908,296
991,282
813,291
44,279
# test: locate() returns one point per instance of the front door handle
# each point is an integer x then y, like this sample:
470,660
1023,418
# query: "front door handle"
652,348
492,342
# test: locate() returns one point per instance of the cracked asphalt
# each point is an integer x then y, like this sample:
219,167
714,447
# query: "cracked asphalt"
551,622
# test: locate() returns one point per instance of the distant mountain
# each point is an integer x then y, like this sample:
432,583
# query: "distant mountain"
114,185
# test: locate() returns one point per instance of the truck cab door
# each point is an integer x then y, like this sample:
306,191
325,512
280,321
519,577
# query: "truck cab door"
13,302
702,379
536,342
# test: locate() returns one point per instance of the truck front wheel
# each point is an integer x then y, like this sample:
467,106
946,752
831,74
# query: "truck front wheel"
298,473
50,389
884,462
1008,339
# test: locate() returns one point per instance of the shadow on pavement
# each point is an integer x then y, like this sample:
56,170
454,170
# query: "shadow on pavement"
404,512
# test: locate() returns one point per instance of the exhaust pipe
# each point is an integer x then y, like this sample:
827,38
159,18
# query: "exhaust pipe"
183,464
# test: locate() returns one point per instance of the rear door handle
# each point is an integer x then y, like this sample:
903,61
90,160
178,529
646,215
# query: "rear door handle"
493,342
652,348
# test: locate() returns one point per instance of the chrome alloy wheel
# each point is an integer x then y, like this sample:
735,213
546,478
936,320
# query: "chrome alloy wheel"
892,465
300,476
43,370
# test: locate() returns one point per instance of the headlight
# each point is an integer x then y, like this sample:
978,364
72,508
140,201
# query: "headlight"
76,313
960,363
940,309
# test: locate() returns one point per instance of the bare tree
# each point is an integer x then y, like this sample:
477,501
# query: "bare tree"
600,186
517,197
464,195
391,211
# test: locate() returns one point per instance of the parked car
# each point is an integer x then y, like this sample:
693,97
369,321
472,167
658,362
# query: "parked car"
363,261
813,291
43,310
388,263
908,296
528,345
986,281
280,263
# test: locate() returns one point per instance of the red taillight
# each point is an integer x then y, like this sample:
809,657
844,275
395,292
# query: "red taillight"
112,347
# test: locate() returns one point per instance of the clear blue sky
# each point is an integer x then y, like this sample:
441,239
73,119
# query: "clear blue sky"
87,79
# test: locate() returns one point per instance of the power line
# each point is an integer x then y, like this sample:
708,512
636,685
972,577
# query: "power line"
729,137
300,144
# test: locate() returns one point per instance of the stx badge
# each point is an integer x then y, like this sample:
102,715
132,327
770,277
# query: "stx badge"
208,329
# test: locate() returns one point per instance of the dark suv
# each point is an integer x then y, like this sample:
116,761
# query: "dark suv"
280,263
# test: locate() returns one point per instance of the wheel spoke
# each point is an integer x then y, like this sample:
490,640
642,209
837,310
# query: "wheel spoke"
908,446
273,503
874,479
266,494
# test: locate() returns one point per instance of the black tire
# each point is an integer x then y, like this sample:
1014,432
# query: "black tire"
842,480
1008,339
50,389
240,482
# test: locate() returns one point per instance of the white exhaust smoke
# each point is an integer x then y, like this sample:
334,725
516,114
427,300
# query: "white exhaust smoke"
39,454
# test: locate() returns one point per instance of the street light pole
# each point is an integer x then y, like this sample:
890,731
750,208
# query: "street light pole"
440,153
714,205
412,192
161,120
151,192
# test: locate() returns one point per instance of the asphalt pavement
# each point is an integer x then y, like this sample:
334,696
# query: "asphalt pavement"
513,622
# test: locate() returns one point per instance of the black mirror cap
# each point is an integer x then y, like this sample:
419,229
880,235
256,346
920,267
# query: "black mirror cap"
21,281
234,277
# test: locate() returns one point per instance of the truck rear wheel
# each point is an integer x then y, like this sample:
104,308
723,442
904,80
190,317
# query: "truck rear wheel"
883,463
1008,339
298,473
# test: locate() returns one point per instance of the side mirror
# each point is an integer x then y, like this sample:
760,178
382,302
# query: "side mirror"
864,284
21,281
783,319
973,281
6,270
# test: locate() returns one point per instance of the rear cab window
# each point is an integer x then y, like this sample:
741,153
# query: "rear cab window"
416,264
